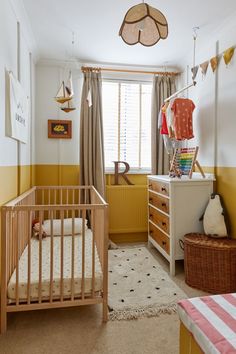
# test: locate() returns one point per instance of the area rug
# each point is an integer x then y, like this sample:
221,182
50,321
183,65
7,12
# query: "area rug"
138,285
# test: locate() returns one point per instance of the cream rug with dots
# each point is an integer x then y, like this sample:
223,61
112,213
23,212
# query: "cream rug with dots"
138,285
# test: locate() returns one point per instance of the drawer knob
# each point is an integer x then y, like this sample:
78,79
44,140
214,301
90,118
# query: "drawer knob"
163,204
151,232
163,189
150,185
150,199
163,223
163,243
151,215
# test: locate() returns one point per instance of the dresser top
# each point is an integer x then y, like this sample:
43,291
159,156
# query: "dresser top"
197,177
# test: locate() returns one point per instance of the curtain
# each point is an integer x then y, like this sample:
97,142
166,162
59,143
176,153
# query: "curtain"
92,171
163,87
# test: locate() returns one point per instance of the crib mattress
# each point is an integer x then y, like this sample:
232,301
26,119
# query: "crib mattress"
212,322
67,267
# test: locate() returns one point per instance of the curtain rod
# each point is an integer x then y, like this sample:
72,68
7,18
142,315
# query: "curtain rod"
167,73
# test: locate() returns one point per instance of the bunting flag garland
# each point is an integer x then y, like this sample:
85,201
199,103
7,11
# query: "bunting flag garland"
204,67
195,71
228,54
214,63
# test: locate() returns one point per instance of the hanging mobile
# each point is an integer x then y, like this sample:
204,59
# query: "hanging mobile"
65,93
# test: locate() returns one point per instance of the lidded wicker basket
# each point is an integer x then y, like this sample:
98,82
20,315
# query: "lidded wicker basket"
210,263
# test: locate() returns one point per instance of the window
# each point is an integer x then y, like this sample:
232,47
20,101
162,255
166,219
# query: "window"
127,124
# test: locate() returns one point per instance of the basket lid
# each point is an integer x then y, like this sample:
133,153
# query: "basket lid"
207,241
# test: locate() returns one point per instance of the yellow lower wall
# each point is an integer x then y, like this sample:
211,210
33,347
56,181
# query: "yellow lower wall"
13,178
127,204
226,186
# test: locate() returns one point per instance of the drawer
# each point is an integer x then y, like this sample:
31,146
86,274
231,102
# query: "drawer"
158,186
160,238
159,219
159,202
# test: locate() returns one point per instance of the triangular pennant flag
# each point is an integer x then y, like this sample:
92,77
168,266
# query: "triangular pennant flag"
194,71
214,63
204,67
228,54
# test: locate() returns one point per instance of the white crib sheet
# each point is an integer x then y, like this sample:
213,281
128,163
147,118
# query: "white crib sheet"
67,267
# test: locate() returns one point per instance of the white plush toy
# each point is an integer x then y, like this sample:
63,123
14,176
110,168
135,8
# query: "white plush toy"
214,218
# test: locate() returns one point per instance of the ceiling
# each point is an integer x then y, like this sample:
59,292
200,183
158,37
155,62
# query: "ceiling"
96,25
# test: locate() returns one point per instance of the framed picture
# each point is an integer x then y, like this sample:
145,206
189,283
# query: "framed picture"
60,129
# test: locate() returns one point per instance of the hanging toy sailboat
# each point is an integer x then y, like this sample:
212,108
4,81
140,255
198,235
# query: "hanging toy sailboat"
68,107
65,95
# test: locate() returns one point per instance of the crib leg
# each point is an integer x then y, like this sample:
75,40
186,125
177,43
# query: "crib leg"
3,328
105,310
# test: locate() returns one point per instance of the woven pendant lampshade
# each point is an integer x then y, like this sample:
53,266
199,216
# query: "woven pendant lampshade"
143,24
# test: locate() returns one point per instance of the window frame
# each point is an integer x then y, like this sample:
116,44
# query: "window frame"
133,170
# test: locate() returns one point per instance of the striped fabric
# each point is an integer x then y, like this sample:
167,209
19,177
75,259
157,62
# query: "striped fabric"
212,321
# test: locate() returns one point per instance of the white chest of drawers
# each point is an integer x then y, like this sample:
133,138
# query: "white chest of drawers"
175,206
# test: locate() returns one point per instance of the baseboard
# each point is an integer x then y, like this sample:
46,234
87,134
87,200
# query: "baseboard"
129,237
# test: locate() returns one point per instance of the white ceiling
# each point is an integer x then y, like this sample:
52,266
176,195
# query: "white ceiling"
96,25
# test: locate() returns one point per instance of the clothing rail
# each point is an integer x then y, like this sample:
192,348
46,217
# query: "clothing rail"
178,92
164,73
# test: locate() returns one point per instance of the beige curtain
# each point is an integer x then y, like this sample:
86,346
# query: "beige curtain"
91,133
163,87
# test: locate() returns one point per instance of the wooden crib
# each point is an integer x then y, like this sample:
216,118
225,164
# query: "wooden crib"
63,269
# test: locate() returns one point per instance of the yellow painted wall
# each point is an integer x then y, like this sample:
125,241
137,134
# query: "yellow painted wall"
225,185
49,175
10,177
127,204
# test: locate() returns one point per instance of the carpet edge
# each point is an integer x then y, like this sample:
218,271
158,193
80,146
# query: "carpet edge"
147,311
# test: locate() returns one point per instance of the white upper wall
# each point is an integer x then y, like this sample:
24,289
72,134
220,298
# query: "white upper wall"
215,99
48,79
11,13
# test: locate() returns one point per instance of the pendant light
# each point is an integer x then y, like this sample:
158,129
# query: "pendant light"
143,24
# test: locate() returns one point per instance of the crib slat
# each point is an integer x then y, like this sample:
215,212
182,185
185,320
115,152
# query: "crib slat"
51,256
67,201
17,256
83,252
62,255
29,255
73,257
93,251
55,196
40,256
43,196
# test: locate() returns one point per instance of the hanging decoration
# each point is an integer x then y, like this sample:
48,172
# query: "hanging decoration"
194,71
143,24
65,94
228,55
204,67
214,63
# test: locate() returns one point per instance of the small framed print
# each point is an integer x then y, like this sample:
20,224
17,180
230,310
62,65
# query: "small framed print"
60,129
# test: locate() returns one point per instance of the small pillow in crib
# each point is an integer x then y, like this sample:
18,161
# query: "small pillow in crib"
67,226
214,218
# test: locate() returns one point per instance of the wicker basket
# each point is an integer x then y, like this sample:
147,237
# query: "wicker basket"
210,264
